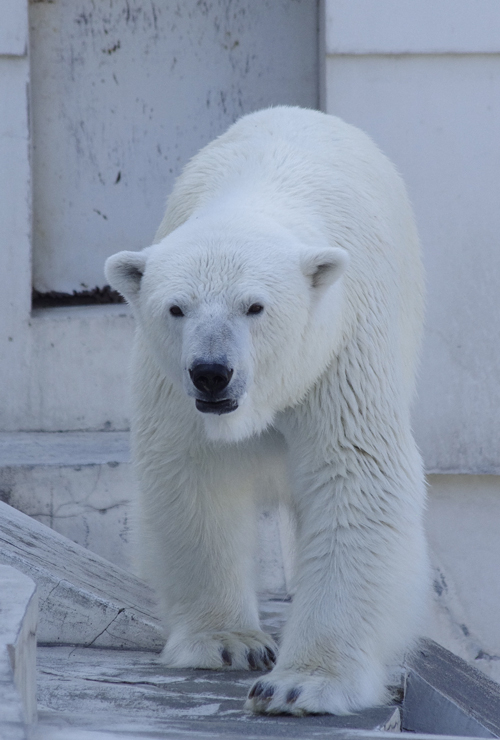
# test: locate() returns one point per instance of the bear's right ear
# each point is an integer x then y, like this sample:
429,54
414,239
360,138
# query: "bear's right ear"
124,273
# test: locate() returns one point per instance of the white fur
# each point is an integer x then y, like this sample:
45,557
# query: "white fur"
299,212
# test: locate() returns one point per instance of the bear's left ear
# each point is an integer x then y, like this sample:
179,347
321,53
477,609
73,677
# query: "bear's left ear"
124,272
324,267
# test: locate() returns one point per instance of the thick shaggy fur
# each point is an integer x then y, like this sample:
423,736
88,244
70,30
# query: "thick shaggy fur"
300,213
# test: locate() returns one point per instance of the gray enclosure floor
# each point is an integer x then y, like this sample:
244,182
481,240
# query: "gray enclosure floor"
131,693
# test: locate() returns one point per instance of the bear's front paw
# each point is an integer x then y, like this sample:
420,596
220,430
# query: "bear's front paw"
252,650
308,692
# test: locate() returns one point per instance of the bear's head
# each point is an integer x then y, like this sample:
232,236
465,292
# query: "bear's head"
238,312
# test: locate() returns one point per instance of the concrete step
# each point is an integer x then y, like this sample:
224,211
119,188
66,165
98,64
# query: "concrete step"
78,483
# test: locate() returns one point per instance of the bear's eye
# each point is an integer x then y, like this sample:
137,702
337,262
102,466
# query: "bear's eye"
255,308
176,311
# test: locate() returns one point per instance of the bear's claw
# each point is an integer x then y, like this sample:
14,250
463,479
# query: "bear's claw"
260,660
293,695
301,692
252,650
261,690
271,655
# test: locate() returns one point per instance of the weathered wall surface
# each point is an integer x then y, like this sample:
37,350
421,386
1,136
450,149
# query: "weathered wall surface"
124,93
100,106
423,79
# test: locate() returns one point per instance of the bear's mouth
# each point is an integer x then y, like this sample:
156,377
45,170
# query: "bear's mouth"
216,407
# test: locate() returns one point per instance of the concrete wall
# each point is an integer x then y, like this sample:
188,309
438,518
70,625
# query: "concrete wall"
424,80
124,93
115,88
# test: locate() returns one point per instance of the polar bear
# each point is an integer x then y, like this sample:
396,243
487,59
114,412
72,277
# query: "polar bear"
279,315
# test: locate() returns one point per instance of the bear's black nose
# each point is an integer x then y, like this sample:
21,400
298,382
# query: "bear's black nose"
211,379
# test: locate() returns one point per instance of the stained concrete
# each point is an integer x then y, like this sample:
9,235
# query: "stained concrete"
130,691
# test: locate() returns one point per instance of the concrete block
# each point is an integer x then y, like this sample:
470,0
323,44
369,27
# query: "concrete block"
386,74
84,599
444,695
18,621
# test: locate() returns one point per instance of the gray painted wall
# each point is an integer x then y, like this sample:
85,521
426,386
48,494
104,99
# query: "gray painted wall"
124,92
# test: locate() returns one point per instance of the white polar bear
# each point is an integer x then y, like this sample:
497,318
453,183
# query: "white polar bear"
278,321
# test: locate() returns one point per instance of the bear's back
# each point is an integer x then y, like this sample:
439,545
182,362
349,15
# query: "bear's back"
294,151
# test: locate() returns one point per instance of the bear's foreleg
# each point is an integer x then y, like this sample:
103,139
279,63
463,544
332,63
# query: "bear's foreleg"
197,524
360,585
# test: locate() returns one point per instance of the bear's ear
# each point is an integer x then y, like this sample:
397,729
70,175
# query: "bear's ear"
124,272
324,267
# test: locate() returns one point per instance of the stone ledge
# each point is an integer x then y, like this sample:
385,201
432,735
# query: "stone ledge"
67,449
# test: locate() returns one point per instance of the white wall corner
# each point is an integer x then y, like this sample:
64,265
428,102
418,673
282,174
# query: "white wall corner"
13,27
